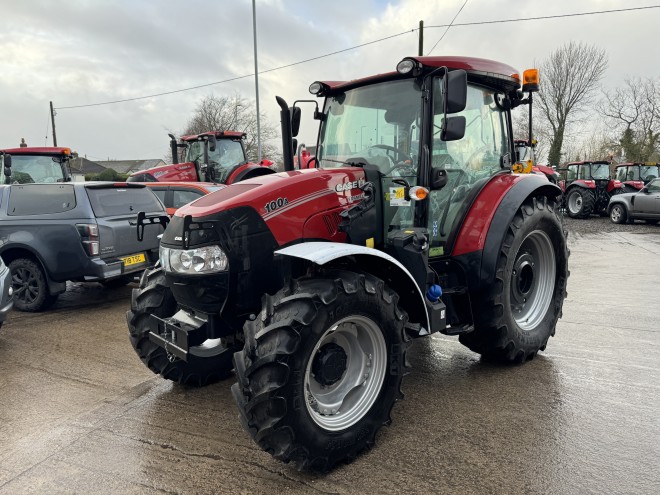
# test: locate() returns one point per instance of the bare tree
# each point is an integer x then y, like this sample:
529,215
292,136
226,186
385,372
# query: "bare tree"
633,112
235,113
569,79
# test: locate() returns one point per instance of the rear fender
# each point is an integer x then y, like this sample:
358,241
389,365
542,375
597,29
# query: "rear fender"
373,261
494,232
584,184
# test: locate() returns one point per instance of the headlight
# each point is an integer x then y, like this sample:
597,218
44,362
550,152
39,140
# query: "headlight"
207,259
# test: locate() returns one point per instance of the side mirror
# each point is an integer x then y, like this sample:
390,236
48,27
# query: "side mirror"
7,163
438,178
295,121
453,128
645,189
212,142
455,91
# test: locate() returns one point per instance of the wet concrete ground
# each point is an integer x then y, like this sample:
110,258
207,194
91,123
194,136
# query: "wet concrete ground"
80,414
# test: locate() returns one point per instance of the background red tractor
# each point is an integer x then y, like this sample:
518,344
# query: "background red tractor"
634,176
588,188
40,165
316,280
216,156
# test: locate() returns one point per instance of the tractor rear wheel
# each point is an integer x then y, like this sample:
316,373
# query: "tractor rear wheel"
519,314
580,202
322,368
207,363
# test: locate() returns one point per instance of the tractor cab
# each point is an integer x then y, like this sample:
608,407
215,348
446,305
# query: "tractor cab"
635,176
216,156
427,143
39,165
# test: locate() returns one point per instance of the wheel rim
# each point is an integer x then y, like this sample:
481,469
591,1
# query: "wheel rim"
575,202
345,373
26,285
533,280
615,214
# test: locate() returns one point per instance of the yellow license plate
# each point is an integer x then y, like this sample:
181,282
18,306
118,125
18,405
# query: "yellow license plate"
134,259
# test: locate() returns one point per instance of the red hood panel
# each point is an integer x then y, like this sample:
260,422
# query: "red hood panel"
285,200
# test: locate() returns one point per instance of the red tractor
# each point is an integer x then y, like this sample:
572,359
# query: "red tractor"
40,165
315,281
588,188
635,176
216,156
525,153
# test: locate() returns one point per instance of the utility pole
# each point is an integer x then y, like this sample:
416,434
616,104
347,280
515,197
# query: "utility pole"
52,119
420,51
256,77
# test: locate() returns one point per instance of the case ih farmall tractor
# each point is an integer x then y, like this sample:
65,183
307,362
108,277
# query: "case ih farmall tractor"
318,279
588,188
217,156
634,176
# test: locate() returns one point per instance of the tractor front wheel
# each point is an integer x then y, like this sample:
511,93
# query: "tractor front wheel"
519,314
207,363
322,368
580,202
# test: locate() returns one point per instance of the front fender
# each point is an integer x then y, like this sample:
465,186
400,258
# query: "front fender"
373,261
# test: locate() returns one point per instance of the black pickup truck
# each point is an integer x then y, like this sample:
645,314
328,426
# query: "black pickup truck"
52,233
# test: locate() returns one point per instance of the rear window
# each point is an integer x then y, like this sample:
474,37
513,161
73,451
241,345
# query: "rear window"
116,201
39,199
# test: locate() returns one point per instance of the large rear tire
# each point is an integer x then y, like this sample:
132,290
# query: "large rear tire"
208,363
321,368
517,317
580,202
31,292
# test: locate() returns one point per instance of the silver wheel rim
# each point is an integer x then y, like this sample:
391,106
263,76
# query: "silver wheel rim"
575,202
533,280
343,403
616,214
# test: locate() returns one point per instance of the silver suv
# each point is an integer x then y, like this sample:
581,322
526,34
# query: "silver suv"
642,205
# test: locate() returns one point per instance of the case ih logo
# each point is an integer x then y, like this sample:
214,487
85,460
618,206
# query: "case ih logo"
349,185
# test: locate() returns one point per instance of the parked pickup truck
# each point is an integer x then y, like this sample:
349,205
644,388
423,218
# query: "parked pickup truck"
52,233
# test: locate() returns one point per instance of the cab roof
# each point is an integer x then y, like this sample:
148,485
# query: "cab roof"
217,134
478,69
46,151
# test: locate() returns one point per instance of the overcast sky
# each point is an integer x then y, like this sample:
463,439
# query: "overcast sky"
77,52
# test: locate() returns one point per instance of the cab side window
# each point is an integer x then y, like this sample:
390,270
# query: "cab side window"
572,173
183,197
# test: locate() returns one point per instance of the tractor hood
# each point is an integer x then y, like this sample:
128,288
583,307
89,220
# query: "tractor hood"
294,205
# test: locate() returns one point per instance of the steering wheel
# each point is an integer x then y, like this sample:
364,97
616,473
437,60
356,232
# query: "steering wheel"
49,179
397,151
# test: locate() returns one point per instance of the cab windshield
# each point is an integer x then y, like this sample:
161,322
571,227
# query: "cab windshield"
377,123
600,171
26,169
648,172
227,155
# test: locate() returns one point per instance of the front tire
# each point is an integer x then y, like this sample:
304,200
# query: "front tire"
618,213
517,317
31,292
206,364
580,203
322,368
